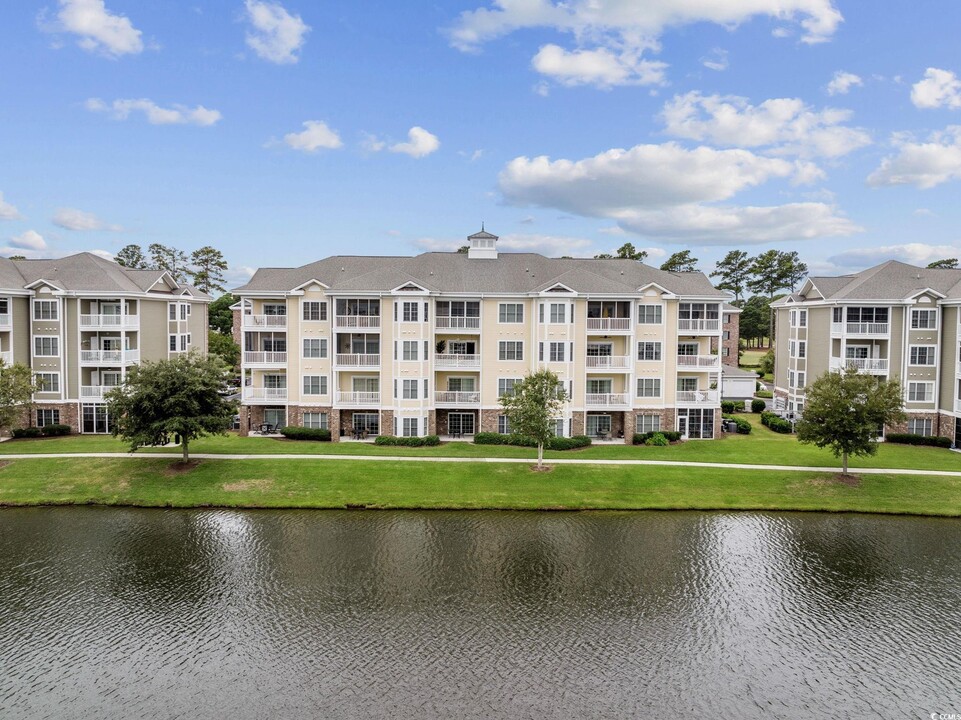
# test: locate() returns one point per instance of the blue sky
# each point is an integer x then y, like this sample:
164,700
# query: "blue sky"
282,132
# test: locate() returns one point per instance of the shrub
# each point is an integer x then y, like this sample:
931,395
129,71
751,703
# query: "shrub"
657,440
764,394
302,433
758,405
743,426
641,438
407,441
729,406
908,439
569,443
55,430
490,438
775,423
26,432
555,443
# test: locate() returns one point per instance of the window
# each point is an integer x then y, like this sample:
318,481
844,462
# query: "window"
315,384
557,351
800,380
727,334
649,351
558,427
598,425
922,355
924,319
316,420
185,311
920,391
510,313
410,390
172,343
503,425
410,349
803,318
510,350
172,311
185,342
919,426
649,314
801,348
505,386
790,378
687,384
837,315
312,348
792,349
648,387
46,346
48,417
726,351
648,423
558,313
48,382
45,310
410,311
315,310
794,318
410,427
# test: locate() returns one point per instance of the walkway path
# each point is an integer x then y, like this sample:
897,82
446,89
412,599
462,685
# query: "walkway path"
527,461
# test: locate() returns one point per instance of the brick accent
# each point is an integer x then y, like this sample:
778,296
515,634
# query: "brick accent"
235,330
488,420
940,424
386,422
69,414
733,341
578,424
432,423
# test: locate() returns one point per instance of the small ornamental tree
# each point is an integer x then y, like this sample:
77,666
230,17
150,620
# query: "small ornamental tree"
17,386
178,397
844,411
532,406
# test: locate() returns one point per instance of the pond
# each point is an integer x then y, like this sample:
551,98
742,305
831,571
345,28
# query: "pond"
123,613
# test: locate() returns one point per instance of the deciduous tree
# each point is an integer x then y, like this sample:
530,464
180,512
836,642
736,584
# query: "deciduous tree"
131,256
224,347
219,315
680,262
208,269
17,386
532,406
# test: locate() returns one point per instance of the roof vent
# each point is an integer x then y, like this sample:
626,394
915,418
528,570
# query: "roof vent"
482,246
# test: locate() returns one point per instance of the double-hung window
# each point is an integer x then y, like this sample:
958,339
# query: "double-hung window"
557,351
510,313
410,349
648,387
315,310
924,319
46,346
650,314
46,310
558,313
48,382
649,351
923,355
316,420
510,350
505,386
920,391
315,384
410,389
411,311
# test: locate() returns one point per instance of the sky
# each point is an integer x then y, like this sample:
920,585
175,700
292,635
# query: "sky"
284,132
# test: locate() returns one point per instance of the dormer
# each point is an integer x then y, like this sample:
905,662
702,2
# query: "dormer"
482,246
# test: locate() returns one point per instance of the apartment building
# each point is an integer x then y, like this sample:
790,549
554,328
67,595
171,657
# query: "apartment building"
426,345
893,321
81,321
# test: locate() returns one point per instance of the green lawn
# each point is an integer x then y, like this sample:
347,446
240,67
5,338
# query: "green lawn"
761,447
752,358
337,484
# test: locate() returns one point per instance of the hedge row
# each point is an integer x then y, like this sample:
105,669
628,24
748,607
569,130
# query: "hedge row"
743,426
302,433
46,431
908,439
642,438
555,443
777,424
407,441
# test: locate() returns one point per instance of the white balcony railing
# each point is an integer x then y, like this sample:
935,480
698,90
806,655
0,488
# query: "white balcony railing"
357,360
358,398
449,397
259,393
457,361
864,364
699,325
7,357
358,321
457,323
860,328
94,392
605,399
5,321
265,358
98,322
608,362
697,397
261,322
608,323
109,357
700,362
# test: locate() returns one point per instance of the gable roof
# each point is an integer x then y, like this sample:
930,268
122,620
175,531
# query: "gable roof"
892,280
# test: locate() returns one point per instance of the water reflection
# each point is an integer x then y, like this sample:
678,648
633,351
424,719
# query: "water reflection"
126,613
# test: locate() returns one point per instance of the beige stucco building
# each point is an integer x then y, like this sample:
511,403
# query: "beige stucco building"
894,321
427,344
80,322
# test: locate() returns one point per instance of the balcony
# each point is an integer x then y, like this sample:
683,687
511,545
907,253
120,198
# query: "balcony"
357,360
109,322
609,324
698,362
265,358
6,323
457,323
359,399
608,362
457,361
868,365
860,329
265,322
94,392
458,399
259,393
697,325
358,321
697,397
109,357
606,400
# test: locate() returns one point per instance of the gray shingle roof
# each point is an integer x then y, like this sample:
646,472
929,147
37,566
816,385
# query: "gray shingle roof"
456,272
892,280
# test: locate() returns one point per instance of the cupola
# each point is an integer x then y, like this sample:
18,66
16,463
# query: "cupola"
482,245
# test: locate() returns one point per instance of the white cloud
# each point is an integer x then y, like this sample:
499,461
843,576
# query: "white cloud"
785,125
372,143
99,30
552,245
924,212
316,135
238,275
922,164
613,230
419,143
73,219
663,191
715,60
601,67
8,211
29,240
940,88
276,35
105,254
911,253
842,82
155,114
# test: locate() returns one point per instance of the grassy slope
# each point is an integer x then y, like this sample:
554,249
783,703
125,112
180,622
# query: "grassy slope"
279,483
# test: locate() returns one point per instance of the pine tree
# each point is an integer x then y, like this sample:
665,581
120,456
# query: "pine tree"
680,262
172,260
208,269
131,256
734,270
